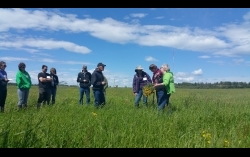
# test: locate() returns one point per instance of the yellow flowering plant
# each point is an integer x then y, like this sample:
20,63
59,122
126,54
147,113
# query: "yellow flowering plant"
148,90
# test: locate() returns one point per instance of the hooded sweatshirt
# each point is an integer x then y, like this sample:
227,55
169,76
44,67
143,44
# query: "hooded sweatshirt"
23,80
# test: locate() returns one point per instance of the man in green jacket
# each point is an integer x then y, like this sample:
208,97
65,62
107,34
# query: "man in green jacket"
23,82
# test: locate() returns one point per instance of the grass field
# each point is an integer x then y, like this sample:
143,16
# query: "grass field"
196,118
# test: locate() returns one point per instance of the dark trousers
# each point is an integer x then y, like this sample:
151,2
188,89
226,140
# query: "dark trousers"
44,95
3,95
53,95
168,96
99,98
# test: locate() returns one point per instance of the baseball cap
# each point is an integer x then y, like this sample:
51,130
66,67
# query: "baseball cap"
101,64
84,66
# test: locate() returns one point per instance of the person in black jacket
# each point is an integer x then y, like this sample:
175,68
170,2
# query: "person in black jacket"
98,82
54,83
84,79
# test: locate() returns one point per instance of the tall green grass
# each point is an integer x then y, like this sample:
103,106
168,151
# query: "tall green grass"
196,118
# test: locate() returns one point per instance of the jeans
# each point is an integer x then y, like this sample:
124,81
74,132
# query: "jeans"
138,98
87,92
23,95
99,98
161,97
53,95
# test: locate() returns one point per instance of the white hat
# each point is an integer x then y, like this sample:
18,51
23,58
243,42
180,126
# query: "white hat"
138,68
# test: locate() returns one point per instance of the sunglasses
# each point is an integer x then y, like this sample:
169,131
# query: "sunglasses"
4,65
22,67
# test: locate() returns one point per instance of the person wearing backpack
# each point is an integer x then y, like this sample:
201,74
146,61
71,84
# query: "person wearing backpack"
84,79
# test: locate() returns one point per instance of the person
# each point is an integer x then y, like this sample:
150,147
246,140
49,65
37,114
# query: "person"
105,86
23,82
161,93
140,79
3,85
84,79
168,82
98,82
54,84
44,84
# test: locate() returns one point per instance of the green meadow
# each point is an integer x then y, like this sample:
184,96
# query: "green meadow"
196,118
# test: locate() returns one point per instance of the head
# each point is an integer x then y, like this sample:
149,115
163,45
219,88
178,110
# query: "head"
44,68
138,69
153,68
21,66
164,68
101,66
53,71
3,65
84,68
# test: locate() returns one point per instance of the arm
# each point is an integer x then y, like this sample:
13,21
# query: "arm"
57,80
42,79
89,83
166,79
78,78
18,80
134,85
94,80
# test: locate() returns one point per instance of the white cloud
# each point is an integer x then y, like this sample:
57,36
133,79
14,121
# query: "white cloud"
150,59
197,72
246,16
204,57
159,17
228,40
9,59
43,44
126,18
139,15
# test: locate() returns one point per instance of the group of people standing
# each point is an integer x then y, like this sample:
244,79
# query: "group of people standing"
162,80
47,83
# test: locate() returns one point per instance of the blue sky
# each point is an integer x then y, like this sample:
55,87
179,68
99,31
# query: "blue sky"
199,44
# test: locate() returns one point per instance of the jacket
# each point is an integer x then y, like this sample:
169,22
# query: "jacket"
168,81
140,82
84,76
96,80
55,80
23,80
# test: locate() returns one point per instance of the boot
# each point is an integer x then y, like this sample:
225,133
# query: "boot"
2,109
38,105
24,106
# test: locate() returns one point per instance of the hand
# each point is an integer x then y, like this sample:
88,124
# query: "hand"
103,82
135,94
84,80
7,80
